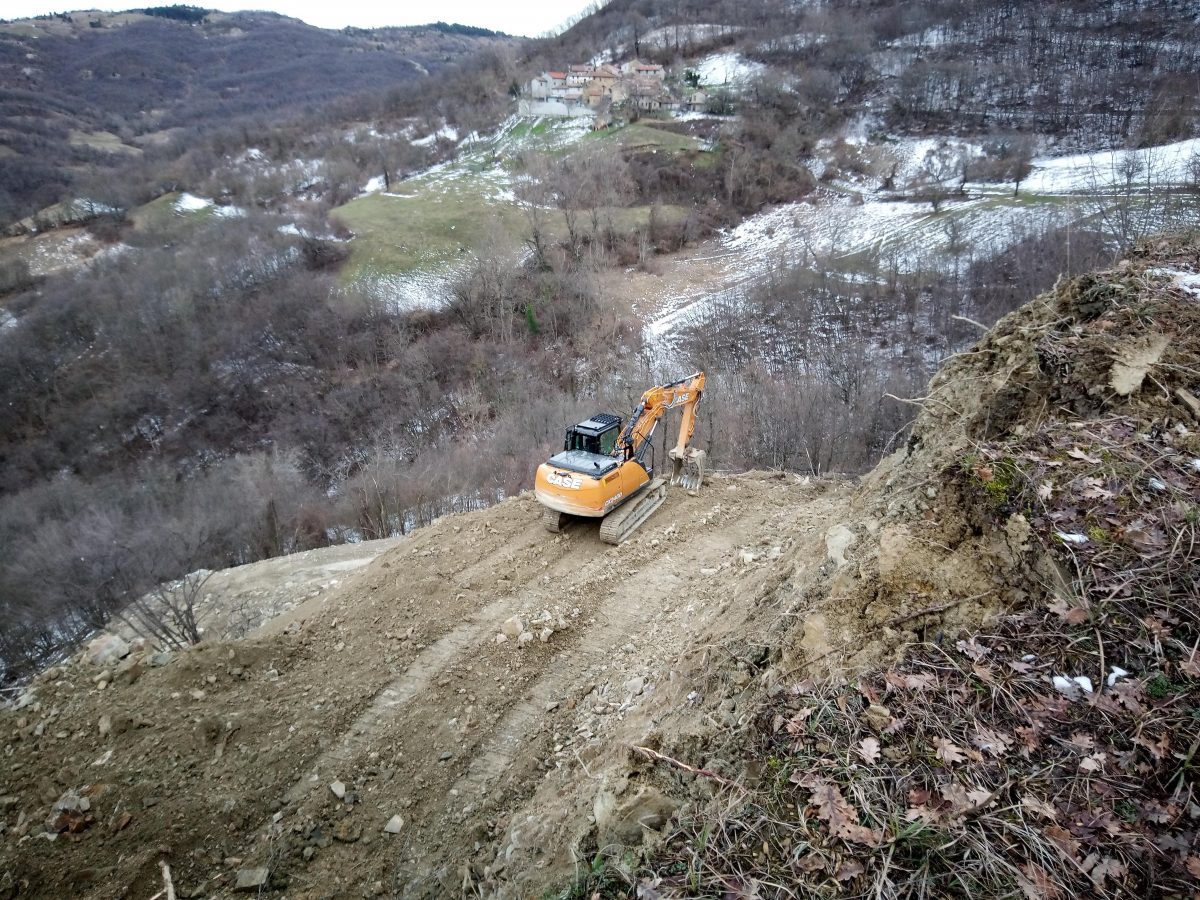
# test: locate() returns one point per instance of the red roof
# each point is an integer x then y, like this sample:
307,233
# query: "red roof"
649,67
559,75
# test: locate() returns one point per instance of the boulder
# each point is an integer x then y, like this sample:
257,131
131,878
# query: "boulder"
253,879
106,649
838,540
626,821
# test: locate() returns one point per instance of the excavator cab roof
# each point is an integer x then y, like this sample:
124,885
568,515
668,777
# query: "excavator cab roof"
589,446
598,424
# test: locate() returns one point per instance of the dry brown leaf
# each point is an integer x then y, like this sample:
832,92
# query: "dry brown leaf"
1061,838
1160,749
810,862
841,817
1083,456
926,681
1083,741
994,742
1072,615
868,749
1107,868
979,797
984,673
1193,866
1039,807
795,725
850,868
1093,763
832,806
1045,490
972,649
1037,885
947,751
1159,813
1190,664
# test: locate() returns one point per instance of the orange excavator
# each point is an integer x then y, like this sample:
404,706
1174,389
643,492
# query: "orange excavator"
607,472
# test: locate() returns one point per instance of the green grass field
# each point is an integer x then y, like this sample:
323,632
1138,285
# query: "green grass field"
431,222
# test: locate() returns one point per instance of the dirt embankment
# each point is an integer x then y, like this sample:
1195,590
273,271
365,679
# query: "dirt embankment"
394,688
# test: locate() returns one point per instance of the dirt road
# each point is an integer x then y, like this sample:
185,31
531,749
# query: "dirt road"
396,686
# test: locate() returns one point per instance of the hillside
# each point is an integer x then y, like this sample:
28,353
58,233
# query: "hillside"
92,90
377,300
864,688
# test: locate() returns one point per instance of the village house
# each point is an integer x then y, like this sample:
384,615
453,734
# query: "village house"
549,84
578,76
583,88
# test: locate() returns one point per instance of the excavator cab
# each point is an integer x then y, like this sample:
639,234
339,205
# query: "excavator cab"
596,435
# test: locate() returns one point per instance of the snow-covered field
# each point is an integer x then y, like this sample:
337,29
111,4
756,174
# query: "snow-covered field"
1170,164
190,203
843,232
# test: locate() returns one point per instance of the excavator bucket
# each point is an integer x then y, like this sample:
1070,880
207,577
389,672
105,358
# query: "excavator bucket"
688,469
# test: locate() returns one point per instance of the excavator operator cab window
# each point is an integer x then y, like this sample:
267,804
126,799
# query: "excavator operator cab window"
597,435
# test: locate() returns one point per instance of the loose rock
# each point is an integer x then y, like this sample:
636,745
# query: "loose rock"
512,628
394,824
252,879
106,649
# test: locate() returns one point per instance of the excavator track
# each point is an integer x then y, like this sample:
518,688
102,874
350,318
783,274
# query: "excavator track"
553,520
624,521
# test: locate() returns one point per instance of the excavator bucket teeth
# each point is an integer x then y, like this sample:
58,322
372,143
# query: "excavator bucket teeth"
689,472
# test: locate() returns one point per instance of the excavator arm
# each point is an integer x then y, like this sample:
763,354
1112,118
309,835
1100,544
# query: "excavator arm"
635,439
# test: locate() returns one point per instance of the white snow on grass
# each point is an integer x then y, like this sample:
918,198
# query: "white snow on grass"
727,69
374,185
446,132
1108,170
832,231
1188,282
191,203
412,290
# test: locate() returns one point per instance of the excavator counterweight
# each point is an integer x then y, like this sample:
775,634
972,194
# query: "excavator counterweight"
607,472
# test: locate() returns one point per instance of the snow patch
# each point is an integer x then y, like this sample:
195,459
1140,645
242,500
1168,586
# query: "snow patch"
727,69
446,132
191,203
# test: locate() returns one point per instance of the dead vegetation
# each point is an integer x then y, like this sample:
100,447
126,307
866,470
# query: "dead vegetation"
1052,751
